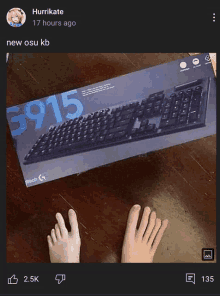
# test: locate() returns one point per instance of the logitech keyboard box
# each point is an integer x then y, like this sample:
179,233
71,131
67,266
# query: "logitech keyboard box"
143,111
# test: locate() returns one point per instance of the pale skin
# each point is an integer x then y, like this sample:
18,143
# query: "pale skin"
139,245
64,247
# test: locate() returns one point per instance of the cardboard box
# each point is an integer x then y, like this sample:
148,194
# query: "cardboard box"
29,121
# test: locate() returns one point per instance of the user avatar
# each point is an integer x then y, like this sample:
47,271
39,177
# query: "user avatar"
16,17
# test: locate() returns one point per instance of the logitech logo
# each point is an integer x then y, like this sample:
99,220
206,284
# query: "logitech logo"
41,178
31,181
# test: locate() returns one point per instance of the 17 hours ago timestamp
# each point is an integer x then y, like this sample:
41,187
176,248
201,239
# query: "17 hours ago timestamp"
44,23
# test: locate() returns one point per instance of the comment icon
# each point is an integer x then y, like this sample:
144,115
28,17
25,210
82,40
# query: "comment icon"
191,278
60,278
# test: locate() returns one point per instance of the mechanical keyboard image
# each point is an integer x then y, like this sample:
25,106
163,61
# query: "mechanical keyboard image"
180,108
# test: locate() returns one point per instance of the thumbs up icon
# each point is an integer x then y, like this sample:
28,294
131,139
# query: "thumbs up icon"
13,280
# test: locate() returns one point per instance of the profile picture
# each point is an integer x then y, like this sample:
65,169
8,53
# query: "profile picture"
16,17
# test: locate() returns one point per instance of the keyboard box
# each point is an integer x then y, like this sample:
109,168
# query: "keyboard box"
29,121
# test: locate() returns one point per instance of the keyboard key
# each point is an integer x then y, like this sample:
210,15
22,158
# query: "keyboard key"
168,104
151,98
166,111
52,128
186,100
183,112
141,129
160,96
104,127
110,136
177,103
111,125
156,109
168,123
148,112
173,95
97,134
158,103
144,101
185,106
144,122
117,119
101,138
126,112
139,113
103,133
189,91
114,110
165,116
120,134
149,105
198,88
110,116
193,116
195,102
141,108
150,128
174,115
134,131
182,119
128,116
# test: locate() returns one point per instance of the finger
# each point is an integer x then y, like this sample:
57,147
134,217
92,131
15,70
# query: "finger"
73,222
58,234
144,222
159,235
132,221
154,232
61,224
150,227
53,236
49,240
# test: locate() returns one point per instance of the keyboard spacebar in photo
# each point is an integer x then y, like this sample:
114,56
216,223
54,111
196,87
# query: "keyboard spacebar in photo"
118,129
70,147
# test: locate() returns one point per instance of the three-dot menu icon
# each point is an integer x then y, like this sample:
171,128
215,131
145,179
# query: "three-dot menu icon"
213,17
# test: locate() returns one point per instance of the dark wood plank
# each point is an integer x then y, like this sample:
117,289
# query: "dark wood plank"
143,60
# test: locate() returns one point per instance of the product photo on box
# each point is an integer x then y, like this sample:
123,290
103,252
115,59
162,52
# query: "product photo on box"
143,111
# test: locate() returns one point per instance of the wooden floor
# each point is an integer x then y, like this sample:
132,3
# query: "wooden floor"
178,182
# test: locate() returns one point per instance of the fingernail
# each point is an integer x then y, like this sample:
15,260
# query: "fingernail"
137,206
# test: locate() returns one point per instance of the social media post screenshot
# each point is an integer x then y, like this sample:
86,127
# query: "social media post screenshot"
110,158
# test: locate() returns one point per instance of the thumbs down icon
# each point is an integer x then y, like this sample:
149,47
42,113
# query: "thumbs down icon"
60,278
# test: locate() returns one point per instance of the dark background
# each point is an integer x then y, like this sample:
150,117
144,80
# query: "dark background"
107,187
